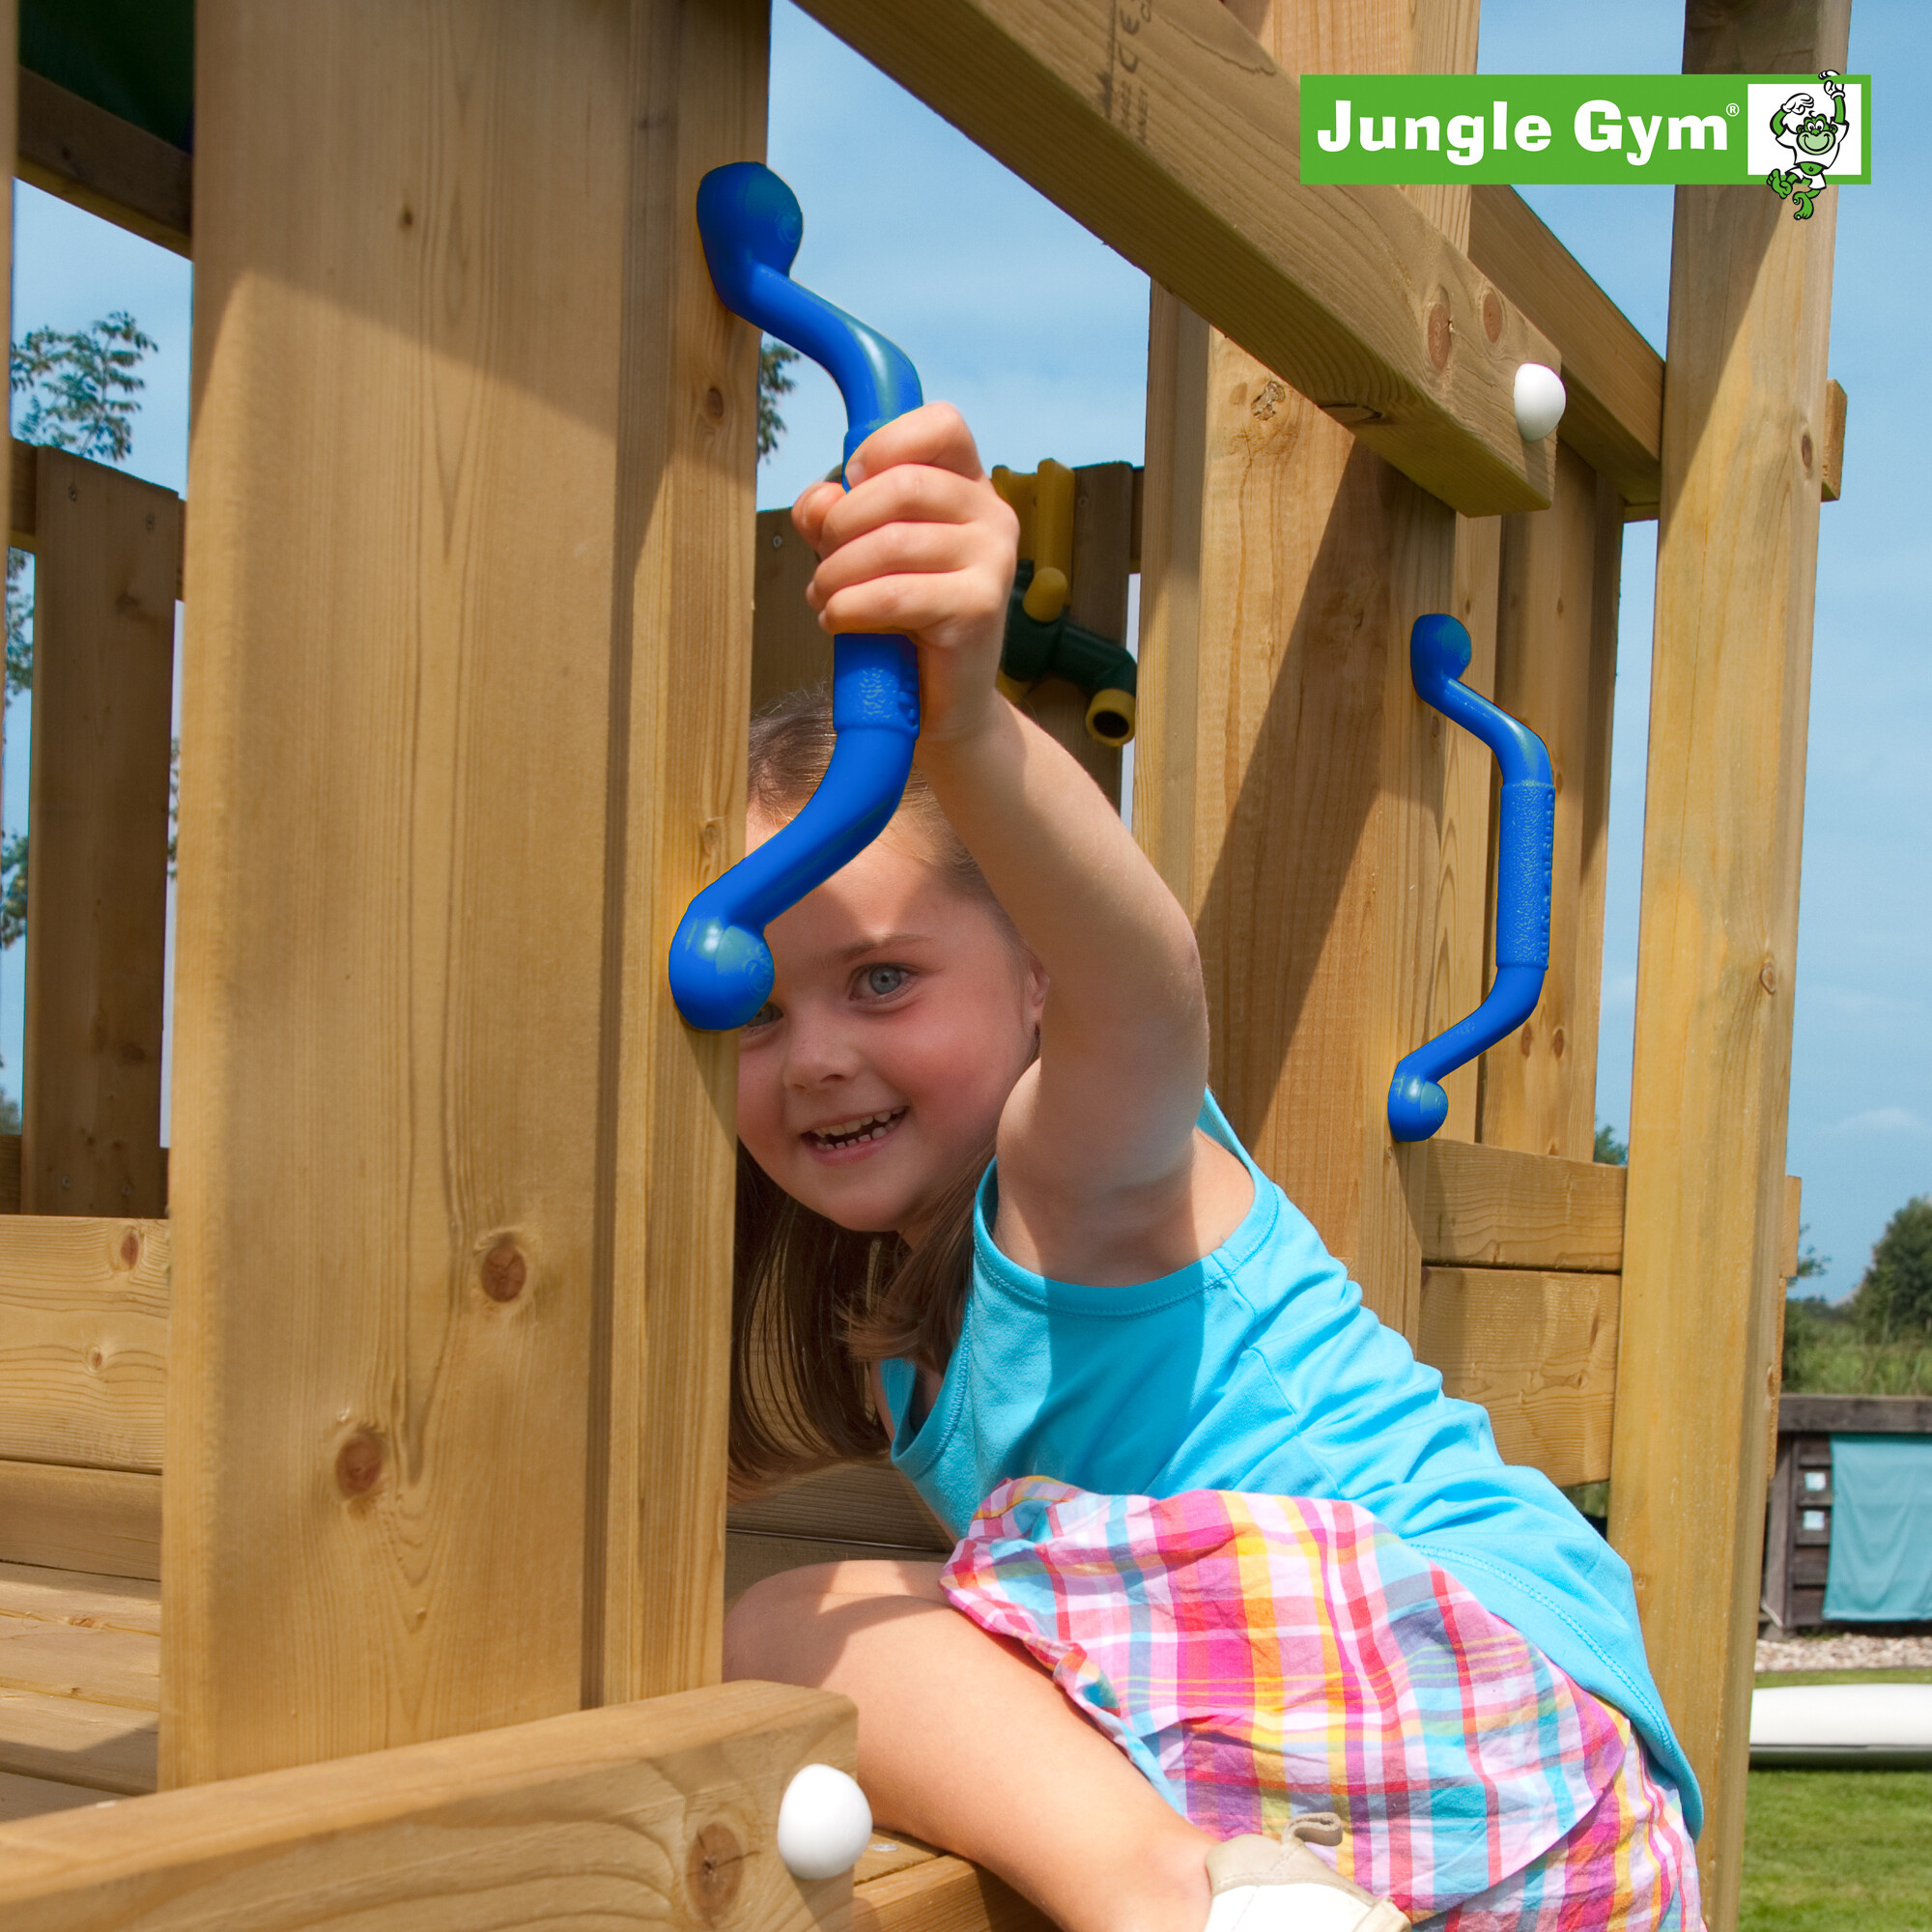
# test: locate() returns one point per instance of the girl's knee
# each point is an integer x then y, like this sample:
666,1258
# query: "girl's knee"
773,1631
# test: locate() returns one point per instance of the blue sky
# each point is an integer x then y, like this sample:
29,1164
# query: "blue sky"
1039,333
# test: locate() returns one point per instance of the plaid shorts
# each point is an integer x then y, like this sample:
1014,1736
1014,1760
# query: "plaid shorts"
1256,1656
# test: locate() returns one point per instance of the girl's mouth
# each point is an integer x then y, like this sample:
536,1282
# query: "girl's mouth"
854,1133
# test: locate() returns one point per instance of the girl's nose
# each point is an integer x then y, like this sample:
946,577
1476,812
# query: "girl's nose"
819,1051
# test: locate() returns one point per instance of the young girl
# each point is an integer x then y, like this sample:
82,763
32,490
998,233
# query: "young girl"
1230,1559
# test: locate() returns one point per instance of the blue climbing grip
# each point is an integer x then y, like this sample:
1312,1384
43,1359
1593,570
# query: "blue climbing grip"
721,968
1438,654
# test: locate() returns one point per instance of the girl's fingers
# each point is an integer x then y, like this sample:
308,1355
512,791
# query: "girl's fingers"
902,549
910,494
926,605
809,513
935,434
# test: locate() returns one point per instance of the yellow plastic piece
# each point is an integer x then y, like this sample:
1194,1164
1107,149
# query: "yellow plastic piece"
1045,596
1109,718
1051,520
1008,688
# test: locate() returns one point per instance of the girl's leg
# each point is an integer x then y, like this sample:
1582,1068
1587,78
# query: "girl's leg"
966,1741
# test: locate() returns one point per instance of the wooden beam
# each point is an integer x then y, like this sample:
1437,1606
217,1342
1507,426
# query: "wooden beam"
1175,136
108,1748
466,695
1831,453
1855,1415
83,1339
1492,1207
70,146
1539,1351
1299,798
1614,377
1750,303
1556,668
944,1895
107,1521
864,1502
32,1797
662,1811
108,547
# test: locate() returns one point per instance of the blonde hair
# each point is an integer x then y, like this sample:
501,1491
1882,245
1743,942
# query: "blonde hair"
814,1303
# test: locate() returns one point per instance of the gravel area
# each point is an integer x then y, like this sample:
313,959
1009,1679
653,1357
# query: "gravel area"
1843,1651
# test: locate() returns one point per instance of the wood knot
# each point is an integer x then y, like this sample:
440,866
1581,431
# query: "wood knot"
131,1248
408,218
1528,1042
358,1463
1439,333
1493,314
714,1869
1805,450
96,1358
1767,976
714,405
504,1271
1556,1043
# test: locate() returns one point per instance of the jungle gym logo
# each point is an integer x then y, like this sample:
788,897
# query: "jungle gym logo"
1797,133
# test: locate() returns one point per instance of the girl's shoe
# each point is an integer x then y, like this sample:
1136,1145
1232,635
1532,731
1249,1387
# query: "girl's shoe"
1259,1885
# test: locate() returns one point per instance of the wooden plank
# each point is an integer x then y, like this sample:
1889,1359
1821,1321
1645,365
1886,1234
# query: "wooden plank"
9,1166
1296,795
83,1339
789,649
660,1812
33,1797
1855,1415
865,1502
46,1595
1539,1351
1614,378
1556,670
891,1855
687,501
750,1558
103,1521
1176,137
1724,813
1831,454
944,1895
68,147
86,1662
74,1741
104,694
1793,1229
22,496
1490,1207
466,691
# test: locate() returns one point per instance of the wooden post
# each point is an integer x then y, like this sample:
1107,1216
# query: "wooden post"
1556,664
1737,551
469,582
108,555
1297,796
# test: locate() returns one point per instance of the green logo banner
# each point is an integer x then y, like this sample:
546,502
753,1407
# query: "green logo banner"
1796,134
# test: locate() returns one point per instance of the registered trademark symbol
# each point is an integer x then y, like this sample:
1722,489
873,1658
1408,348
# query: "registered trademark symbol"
1732,108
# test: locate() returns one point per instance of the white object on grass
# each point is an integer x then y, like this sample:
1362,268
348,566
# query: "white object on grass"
824,1823
1540,397
1843,1722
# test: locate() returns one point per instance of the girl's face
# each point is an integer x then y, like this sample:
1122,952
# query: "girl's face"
899,1019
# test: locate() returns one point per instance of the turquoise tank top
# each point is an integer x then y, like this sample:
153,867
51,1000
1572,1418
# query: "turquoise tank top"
1258,1369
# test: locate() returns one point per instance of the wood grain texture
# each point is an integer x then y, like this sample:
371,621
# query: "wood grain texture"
1539,1351
1855,1414
654,1814
93,1664
687,507
72,1597
465,710
864,1502
789,649
23,1797
68,147
1175,136
1491,1207
1614,378
1297,797
944,1895
1730,682
9,1168
103,1521
104,692
1557,659
83,1339
750,1558
76,1741
1832,449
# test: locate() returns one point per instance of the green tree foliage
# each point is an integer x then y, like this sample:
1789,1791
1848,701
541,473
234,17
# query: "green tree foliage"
78,391
1894,1300
774,358
1608,1149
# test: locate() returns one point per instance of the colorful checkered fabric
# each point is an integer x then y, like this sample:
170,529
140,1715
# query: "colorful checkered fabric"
1256,1656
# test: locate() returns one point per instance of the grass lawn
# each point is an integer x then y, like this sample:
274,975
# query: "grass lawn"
1838,1851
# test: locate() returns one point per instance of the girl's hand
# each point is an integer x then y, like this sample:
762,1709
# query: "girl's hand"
923,546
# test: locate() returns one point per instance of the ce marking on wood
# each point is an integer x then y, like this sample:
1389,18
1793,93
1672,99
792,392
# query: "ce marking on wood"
1124,97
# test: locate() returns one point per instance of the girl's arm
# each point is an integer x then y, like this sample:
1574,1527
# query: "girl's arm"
1103,1179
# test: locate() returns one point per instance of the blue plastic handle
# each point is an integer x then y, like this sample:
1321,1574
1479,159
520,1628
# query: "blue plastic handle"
1438,654
721,968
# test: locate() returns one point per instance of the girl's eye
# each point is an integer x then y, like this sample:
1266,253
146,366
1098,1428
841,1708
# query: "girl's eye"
881,982
763,1017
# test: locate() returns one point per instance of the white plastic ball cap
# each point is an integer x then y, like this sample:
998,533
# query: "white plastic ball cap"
824,1823
1540,397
